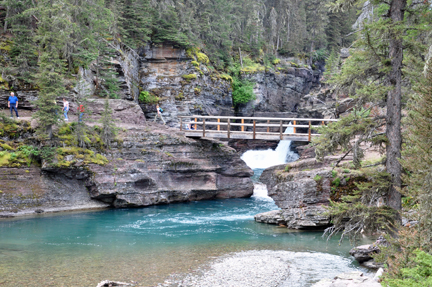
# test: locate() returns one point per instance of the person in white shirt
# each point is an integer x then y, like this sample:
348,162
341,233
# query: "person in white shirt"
65,108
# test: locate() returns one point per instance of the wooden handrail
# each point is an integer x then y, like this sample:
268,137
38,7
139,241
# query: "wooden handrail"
261,118
234,121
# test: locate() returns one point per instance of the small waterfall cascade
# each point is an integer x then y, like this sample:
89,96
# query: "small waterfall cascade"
262,159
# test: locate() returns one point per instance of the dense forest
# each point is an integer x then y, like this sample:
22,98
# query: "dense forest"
43,43
78,32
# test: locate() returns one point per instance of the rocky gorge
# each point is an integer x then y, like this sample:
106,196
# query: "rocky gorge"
148,164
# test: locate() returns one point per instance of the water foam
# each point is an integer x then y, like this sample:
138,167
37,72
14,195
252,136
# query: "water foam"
258,159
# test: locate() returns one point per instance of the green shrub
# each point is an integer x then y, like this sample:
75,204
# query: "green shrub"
147,98
195,63
287,168
317,177
417,276
276,61
189,77
336,182
226,77
202,58
242,91
334,173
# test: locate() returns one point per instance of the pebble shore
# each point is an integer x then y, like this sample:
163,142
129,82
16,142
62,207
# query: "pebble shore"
263,268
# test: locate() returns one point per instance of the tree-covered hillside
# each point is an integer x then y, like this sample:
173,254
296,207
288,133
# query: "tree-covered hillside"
77,32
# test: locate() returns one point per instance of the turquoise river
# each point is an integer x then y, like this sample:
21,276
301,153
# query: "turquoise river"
147,245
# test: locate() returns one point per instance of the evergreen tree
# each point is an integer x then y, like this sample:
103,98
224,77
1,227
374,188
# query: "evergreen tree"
108,131
373,74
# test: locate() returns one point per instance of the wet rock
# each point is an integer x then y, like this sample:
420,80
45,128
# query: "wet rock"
39,211
107,283
371,264
364,253
271,217
351,279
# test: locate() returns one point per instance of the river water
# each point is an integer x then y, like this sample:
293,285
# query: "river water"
147,245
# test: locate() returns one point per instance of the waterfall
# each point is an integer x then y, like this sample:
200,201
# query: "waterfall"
262,159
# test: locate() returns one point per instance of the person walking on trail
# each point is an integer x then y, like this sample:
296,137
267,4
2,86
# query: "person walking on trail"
159,114
13,104
65,108
81,112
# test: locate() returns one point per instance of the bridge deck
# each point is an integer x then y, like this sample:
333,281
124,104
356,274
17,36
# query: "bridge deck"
259,128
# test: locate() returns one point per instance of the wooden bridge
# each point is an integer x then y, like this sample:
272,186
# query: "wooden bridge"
250,127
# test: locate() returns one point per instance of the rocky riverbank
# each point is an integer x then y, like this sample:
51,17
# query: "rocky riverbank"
273,269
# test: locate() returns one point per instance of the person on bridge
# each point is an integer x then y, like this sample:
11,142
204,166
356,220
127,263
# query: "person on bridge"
13,104
159,114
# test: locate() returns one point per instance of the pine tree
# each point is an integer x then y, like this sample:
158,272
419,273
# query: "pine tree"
108,125
373,74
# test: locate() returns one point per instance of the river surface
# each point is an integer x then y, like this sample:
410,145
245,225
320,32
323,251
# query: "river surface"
147,245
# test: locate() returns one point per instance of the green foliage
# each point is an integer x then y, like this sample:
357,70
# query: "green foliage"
360,208
189,77
226,77
336,182
148,98
417,276
334,173
109,130
242,91
317,177
287,168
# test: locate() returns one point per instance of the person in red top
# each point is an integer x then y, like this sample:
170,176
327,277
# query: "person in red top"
81,112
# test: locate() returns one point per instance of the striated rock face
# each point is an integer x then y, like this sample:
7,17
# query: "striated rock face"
159,167
161,73
279,92
35,190
302,191
150,164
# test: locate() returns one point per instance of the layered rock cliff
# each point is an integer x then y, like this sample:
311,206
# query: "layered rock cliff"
148,164
303,190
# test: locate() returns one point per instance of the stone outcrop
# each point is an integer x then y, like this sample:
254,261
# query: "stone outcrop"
364,253
149,164
280,92
159,167
29,190
302,190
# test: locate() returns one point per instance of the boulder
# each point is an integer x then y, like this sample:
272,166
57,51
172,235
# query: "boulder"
364,253
270,217
302,190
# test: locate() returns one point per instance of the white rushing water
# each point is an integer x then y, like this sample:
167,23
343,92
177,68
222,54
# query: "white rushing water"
261,159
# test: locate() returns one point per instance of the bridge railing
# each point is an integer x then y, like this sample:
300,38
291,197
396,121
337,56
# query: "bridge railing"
249,127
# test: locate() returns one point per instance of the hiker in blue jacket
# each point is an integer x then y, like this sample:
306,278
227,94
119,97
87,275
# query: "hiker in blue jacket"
159,112
13,104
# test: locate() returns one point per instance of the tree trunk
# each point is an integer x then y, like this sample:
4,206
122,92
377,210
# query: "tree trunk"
393,129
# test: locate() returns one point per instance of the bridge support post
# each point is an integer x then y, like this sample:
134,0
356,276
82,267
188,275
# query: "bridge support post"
242,121
204,128
254,129
218,125
310,131
281,130
195,124
295,129
229,128
181,124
